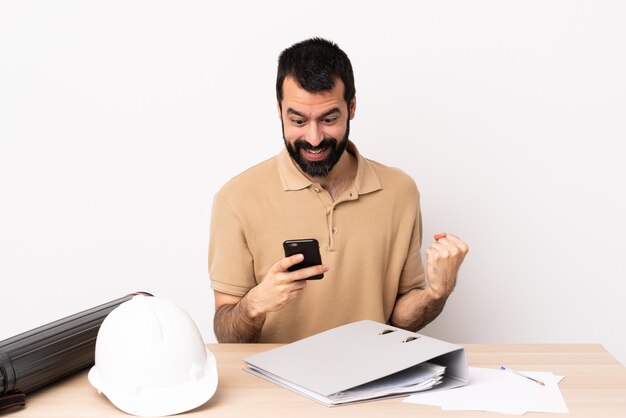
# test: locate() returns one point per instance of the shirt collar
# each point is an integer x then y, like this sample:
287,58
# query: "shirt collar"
366,180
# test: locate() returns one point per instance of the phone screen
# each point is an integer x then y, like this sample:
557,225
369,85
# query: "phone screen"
310,248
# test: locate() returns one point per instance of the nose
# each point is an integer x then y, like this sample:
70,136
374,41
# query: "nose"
314,134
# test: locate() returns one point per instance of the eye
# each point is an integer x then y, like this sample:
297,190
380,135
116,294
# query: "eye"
297,122
329,121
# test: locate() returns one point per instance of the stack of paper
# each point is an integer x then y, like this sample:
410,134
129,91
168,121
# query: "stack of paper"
414,379
499,391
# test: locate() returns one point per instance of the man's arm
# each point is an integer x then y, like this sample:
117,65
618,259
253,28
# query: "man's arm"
418,307
240,319
233,323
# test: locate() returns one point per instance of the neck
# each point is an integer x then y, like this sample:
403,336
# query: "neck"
341,176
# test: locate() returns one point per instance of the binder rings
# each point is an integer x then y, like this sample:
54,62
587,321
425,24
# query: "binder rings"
351,363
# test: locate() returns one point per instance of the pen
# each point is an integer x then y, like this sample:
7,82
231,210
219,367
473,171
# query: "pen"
523,375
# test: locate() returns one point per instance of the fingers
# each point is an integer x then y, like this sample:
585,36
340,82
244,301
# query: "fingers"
284,264
309,272
283,267
449,241
447,247
280,286
457,242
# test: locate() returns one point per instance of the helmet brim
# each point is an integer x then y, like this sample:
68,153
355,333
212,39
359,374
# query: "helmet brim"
166,400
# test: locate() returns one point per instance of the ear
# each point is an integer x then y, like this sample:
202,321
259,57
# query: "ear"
280,111
352,107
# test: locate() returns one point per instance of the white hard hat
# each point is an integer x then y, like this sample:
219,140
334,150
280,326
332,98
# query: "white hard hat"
151,360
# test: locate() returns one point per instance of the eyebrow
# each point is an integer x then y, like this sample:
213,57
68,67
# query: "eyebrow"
328,112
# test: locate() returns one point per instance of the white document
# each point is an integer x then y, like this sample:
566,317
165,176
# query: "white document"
499,391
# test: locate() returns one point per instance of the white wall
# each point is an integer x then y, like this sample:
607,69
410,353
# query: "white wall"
120,120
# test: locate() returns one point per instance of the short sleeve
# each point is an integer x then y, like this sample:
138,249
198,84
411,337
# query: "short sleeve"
413,275
231,266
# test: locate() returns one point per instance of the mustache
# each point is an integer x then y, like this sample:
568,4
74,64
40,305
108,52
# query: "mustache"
327,142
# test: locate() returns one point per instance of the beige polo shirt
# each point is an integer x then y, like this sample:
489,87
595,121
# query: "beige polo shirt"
369,237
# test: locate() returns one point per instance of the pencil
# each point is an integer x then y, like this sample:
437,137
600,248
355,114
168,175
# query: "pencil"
523,375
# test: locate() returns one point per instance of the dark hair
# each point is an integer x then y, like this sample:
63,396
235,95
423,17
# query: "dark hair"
315,64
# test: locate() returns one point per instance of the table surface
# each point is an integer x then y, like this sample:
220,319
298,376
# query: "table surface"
594,386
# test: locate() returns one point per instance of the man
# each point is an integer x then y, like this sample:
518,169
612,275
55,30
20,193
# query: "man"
366,217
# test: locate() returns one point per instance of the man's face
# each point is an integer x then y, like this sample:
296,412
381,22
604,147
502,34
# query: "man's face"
315,126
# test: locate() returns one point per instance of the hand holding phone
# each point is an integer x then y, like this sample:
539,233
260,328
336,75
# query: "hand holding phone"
310,249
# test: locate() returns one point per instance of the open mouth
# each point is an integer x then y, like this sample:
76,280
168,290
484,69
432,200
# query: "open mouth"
316,154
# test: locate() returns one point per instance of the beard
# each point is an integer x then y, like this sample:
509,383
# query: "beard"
323,167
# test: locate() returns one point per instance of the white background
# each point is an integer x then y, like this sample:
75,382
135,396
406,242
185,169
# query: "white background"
119,120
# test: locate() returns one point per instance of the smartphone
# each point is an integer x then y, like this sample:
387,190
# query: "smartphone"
310,248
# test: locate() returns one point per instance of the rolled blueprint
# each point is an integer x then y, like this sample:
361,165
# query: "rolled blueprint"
48,353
